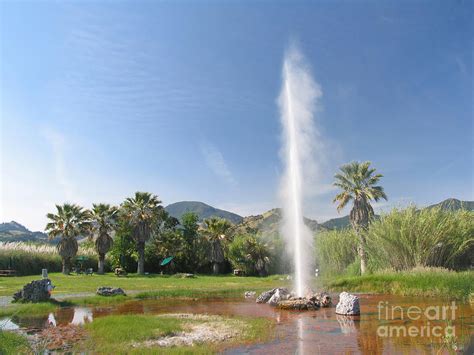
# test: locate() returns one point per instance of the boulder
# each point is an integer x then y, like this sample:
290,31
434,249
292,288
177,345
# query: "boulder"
110,291
348,304
35,291
265,296
250,294
281,294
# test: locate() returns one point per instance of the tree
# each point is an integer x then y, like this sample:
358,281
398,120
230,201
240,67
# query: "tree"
104,221
70,221
259,253
193,244
358,182
250,254
216,231
143,212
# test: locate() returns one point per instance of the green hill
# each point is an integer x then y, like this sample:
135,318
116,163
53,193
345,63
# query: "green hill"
202,210
268,223
452,204
15,232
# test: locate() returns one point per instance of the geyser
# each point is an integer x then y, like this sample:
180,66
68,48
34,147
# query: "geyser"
297,101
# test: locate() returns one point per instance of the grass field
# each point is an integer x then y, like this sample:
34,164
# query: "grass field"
164,284
429,282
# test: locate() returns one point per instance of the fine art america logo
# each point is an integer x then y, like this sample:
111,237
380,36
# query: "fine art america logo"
418,321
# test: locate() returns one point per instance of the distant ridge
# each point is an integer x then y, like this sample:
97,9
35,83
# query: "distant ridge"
15,232
202,210
453,204
450,204
268,223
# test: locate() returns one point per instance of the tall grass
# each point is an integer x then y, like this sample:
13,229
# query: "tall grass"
29,259
336,250
409,238
402,240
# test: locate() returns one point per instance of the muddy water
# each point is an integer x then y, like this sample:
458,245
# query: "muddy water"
387,324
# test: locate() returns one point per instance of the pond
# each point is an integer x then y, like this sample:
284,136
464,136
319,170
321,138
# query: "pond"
388,324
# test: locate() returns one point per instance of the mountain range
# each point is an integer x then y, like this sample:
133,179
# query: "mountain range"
266,223
450,204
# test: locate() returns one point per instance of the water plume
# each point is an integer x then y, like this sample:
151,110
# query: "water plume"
298,104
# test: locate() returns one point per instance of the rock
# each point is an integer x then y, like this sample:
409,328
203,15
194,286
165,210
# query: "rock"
324,299
300,304
250,294
110,291
35,291
281,294
265,296
348,304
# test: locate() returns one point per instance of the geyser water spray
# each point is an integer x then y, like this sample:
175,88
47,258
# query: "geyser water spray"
297,101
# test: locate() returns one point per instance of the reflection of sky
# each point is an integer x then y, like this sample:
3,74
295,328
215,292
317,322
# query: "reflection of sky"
51,320
7,324
81,316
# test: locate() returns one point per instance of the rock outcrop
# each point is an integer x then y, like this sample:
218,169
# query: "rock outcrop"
299,304
284,299
348,304
110,291
35,291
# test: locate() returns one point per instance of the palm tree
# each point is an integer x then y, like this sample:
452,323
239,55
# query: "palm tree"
259,254
104,220
358,182
70,222
216,230
142,212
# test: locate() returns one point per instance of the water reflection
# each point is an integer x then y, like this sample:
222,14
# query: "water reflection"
318,332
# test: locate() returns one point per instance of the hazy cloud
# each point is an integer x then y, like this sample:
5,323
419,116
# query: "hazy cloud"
57,143
216,162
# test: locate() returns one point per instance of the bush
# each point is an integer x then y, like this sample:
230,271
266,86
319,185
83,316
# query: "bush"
409,238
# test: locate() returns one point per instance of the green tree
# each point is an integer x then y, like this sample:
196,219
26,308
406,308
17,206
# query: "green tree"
250,254
123,253
143,212
193,243
70,222
217,232
104,221
358,182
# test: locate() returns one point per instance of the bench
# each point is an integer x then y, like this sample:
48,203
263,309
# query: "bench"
7,272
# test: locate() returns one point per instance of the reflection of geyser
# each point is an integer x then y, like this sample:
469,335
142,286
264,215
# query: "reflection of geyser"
300,336
297,101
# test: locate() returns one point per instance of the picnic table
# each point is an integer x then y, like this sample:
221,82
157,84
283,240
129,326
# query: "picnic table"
8,272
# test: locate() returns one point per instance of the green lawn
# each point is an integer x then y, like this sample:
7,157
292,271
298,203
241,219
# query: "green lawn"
163,285
126,333
441,283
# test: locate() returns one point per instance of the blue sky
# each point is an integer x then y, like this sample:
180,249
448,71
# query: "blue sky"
101,99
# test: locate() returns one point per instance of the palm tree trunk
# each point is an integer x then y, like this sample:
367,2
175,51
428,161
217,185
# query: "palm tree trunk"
363,258
141,258
100,269
66,266
215,268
